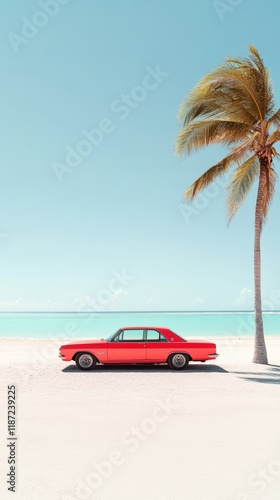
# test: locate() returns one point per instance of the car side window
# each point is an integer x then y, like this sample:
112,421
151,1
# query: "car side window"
131,336
155,336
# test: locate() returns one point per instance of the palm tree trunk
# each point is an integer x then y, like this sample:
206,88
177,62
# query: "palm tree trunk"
260,354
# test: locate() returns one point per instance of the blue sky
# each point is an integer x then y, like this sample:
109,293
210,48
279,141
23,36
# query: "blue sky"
101,225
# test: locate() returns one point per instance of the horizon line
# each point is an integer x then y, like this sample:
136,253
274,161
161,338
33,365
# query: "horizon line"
140,311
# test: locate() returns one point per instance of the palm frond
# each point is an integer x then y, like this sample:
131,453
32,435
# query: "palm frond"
274,137
274,120
252,143
239,82
253,69
218,98
210,175
245,81
201,133
264,83
274,153
240,184
239,155
239,86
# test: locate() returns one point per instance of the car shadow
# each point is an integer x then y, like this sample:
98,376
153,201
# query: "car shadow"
162,368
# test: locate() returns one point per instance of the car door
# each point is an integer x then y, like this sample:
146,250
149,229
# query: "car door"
157,346
127,347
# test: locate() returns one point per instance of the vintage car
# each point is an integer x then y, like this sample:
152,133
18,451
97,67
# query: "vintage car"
141,344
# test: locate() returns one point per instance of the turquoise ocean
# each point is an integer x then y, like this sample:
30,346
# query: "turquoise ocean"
68,325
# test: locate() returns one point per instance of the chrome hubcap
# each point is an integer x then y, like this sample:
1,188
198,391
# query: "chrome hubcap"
179,360
85,361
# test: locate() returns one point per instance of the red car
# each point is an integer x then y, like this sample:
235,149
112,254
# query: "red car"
138,344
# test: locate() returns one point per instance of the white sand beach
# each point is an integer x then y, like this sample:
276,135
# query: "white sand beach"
210,432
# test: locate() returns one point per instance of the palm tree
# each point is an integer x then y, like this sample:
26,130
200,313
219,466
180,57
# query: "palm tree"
233,106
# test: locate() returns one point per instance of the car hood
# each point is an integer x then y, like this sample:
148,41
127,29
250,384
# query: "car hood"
89,341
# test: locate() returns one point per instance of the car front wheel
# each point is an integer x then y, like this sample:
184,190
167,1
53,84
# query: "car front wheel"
85,361
178,361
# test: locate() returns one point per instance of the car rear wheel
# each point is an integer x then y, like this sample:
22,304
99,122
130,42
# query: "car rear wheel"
178,361
85,361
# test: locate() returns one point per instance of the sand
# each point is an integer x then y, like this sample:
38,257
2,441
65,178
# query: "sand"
211,432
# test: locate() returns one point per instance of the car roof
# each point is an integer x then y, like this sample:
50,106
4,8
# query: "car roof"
145,327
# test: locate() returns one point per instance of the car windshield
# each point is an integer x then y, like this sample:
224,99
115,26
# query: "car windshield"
112,336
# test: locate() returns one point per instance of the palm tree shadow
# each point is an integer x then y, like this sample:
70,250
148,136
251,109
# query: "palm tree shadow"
272,376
